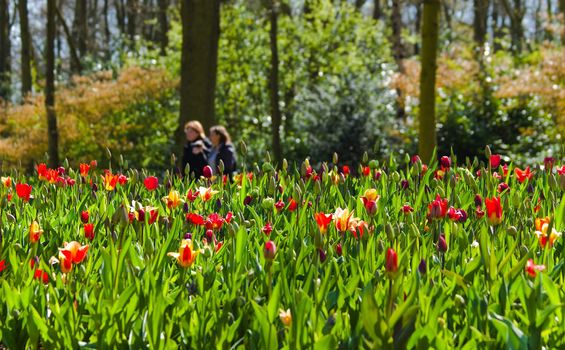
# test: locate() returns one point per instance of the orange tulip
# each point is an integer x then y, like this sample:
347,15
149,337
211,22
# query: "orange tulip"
110,181
323,221
206,193
542,226
173,199
76,252
523,175
186,255
34,232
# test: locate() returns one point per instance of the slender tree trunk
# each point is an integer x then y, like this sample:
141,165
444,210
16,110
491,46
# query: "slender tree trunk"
427,127
131,10
359,4
274,84
377,10
163,26
547,31
52,134
79,32
496,28
448,20
107,33
417,25
398,54
75,58
480,9
199,63
26,49
120,15
516,15
5,66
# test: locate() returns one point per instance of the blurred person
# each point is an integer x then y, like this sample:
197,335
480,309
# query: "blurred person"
197,148
222,149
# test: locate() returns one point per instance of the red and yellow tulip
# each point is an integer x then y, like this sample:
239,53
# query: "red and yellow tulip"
494,210
34,232
186,255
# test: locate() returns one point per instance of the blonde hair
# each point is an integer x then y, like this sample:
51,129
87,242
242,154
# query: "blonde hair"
196,126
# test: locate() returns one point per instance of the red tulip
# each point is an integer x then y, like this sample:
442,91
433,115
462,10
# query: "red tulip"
292,205
84,168
437,209
532,269
494,210
270,250
214,222
523,175
195,219
207,171
84,216
442,244
267,229
2,265
345,170
495,161
366,171
151,183
391,261
406,209
279,205
548,163
339,249
24,191
89,231
445,162
41,275
42,171
122,179
191,196
323,221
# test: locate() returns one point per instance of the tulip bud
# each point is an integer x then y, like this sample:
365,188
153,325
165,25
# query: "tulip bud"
365,158
322,255
441,244
391,261
84,216
339,249
459,301
373,164
335,158
270,250
512,231
478,200
552,182
188,235
445,162
422,267
209,235
207,171
242,148
268,203
562,181
284,164
247,200
488,152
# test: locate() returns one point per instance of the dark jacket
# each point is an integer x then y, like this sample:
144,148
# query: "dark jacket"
226,153
196,161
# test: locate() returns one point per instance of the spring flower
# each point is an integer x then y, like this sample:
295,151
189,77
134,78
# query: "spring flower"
207,171
195,219
270,250
422,267
214,222
267,229
279,206
445,162
532,269
523,175
173,199
151,183
357,226
341,219
339,249
65,261
494,161
206,193
285,317
41,275
42,171
370,199
437,209
292,205
34,232
84,168
391,261
191,196
494,210
186,255
323,221
89,231
110,181
84,216
406,209
2,265
441,244
24,191
366,171
6,181
548,163
542,226
76,251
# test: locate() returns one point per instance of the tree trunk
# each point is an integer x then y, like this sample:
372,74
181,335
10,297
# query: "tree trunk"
417,25
76,66
562,9
398,54
131,10
377,10
427,120
496,31
480,10
5,67
199,63
359,4
163,26
26,49
106,30
274,84
516,15
79,32
52,135
120,15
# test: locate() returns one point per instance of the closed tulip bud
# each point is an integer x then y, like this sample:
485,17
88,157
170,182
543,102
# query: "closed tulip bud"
365,157
512,231
422,267
84,216
488,151
209,235
322,255
335,158
268,203
339,249
141,215
221,166
391,261
562,181
478,200
270,250
207,171
373,164
441,244
185,207
188,235
247,200
459,301
284,164
552,182
404,184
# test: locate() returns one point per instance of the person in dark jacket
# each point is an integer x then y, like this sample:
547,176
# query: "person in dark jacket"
222,149
196,149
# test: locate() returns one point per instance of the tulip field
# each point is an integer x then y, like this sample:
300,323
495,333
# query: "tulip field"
395,254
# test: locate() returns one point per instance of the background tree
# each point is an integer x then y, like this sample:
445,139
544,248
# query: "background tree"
52,132
427,120
199,62
25,48
5,67
274,81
